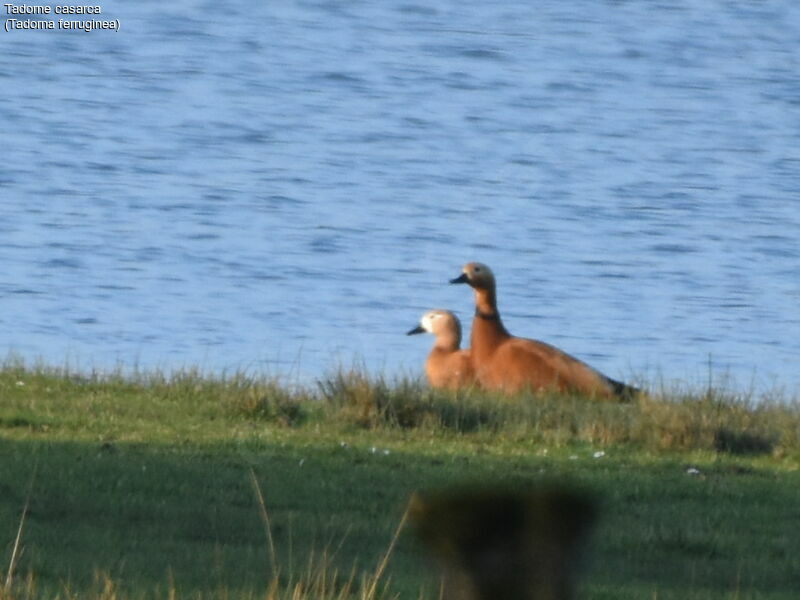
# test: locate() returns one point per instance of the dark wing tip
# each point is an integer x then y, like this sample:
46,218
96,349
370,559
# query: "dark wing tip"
623,390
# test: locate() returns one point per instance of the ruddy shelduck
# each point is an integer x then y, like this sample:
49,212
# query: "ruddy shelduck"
507,363
447,366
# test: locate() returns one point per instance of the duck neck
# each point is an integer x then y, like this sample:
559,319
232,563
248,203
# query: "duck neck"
449,341
486,304
488,330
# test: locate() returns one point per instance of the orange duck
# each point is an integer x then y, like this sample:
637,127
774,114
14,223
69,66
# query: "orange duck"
510,364
447,366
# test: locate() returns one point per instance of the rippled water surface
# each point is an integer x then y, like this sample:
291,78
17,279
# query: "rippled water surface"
285,187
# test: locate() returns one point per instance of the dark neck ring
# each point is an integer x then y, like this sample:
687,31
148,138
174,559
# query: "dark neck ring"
488,316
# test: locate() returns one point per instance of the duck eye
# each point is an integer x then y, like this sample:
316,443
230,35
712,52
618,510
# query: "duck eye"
477,269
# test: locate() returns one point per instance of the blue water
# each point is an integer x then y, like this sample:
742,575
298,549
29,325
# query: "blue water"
285,187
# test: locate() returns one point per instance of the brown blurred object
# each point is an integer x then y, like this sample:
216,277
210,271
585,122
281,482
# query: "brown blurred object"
506,545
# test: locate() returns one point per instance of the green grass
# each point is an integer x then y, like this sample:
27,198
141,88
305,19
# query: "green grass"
140,486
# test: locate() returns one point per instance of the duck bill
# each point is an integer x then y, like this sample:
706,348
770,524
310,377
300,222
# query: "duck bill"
416,330
460,279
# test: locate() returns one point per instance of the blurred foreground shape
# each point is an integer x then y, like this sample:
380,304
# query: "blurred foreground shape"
498,544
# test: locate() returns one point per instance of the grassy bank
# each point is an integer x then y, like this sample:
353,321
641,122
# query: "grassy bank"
147,486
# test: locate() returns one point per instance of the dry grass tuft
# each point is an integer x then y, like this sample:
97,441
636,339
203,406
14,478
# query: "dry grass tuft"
680,420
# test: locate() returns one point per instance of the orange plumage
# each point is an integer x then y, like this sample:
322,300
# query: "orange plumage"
507,363
447,365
